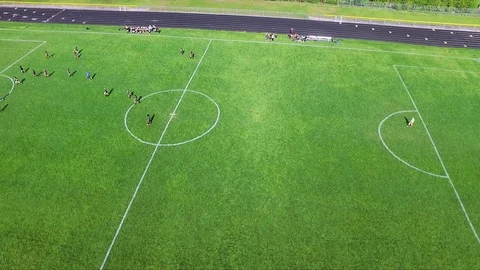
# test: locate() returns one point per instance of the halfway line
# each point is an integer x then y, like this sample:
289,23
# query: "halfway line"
440,158
150,161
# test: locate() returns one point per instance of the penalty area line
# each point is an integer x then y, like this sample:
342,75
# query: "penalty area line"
467,216
107,255
23,56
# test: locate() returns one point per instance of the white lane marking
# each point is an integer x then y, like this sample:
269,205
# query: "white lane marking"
54,15
150,161
440,159
254,42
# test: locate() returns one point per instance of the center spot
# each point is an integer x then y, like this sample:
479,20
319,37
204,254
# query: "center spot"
196,115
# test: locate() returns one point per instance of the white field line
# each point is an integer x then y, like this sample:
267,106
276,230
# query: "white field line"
20,40
440,69
251,41
439,158
54,15
23,57
179,143
150,161
11,89
397,157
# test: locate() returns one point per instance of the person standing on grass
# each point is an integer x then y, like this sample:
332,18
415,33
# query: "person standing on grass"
34,73
149,120
135,99
411,122
105,92
76,53
16,80
89,76
192,55
47,55
45,73
182,51
129,94
21,69
68,72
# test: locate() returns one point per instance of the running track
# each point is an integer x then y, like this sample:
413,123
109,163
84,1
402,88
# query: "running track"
422,36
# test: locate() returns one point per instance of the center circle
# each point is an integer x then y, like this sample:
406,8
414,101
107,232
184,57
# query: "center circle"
171,117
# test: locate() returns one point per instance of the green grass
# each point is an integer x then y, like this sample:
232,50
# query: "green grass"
295,7
293,175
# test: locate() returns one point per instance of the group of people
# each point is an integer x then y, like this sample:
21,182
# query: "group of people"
142,29
191,55
136,99
34,73
270,36
297,37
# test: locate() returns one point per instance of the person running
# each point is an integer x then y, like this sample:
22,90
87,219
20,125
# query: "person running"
21,69
105,92
16,80
182,51
192,55
68,72
45,73
76,52
411,122
149,120
47,55
88,76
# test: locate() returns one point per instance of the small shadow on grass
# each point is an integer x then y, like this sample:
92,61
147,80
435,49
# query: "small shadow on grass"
94,74
50,74
73,73
4,107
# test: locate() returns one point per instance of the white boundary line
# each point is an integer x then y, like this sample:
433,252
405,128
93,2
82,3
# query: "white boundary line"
397,157
54,15
439,158
440,69
23,57
179,143
20,40
250,41
150,161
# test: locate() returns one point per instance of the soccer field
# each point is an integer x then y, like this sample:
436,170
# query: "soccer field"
260,154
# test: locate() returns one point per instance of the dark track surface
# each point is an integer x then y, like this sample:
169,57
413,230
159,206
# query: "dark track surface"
422,36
